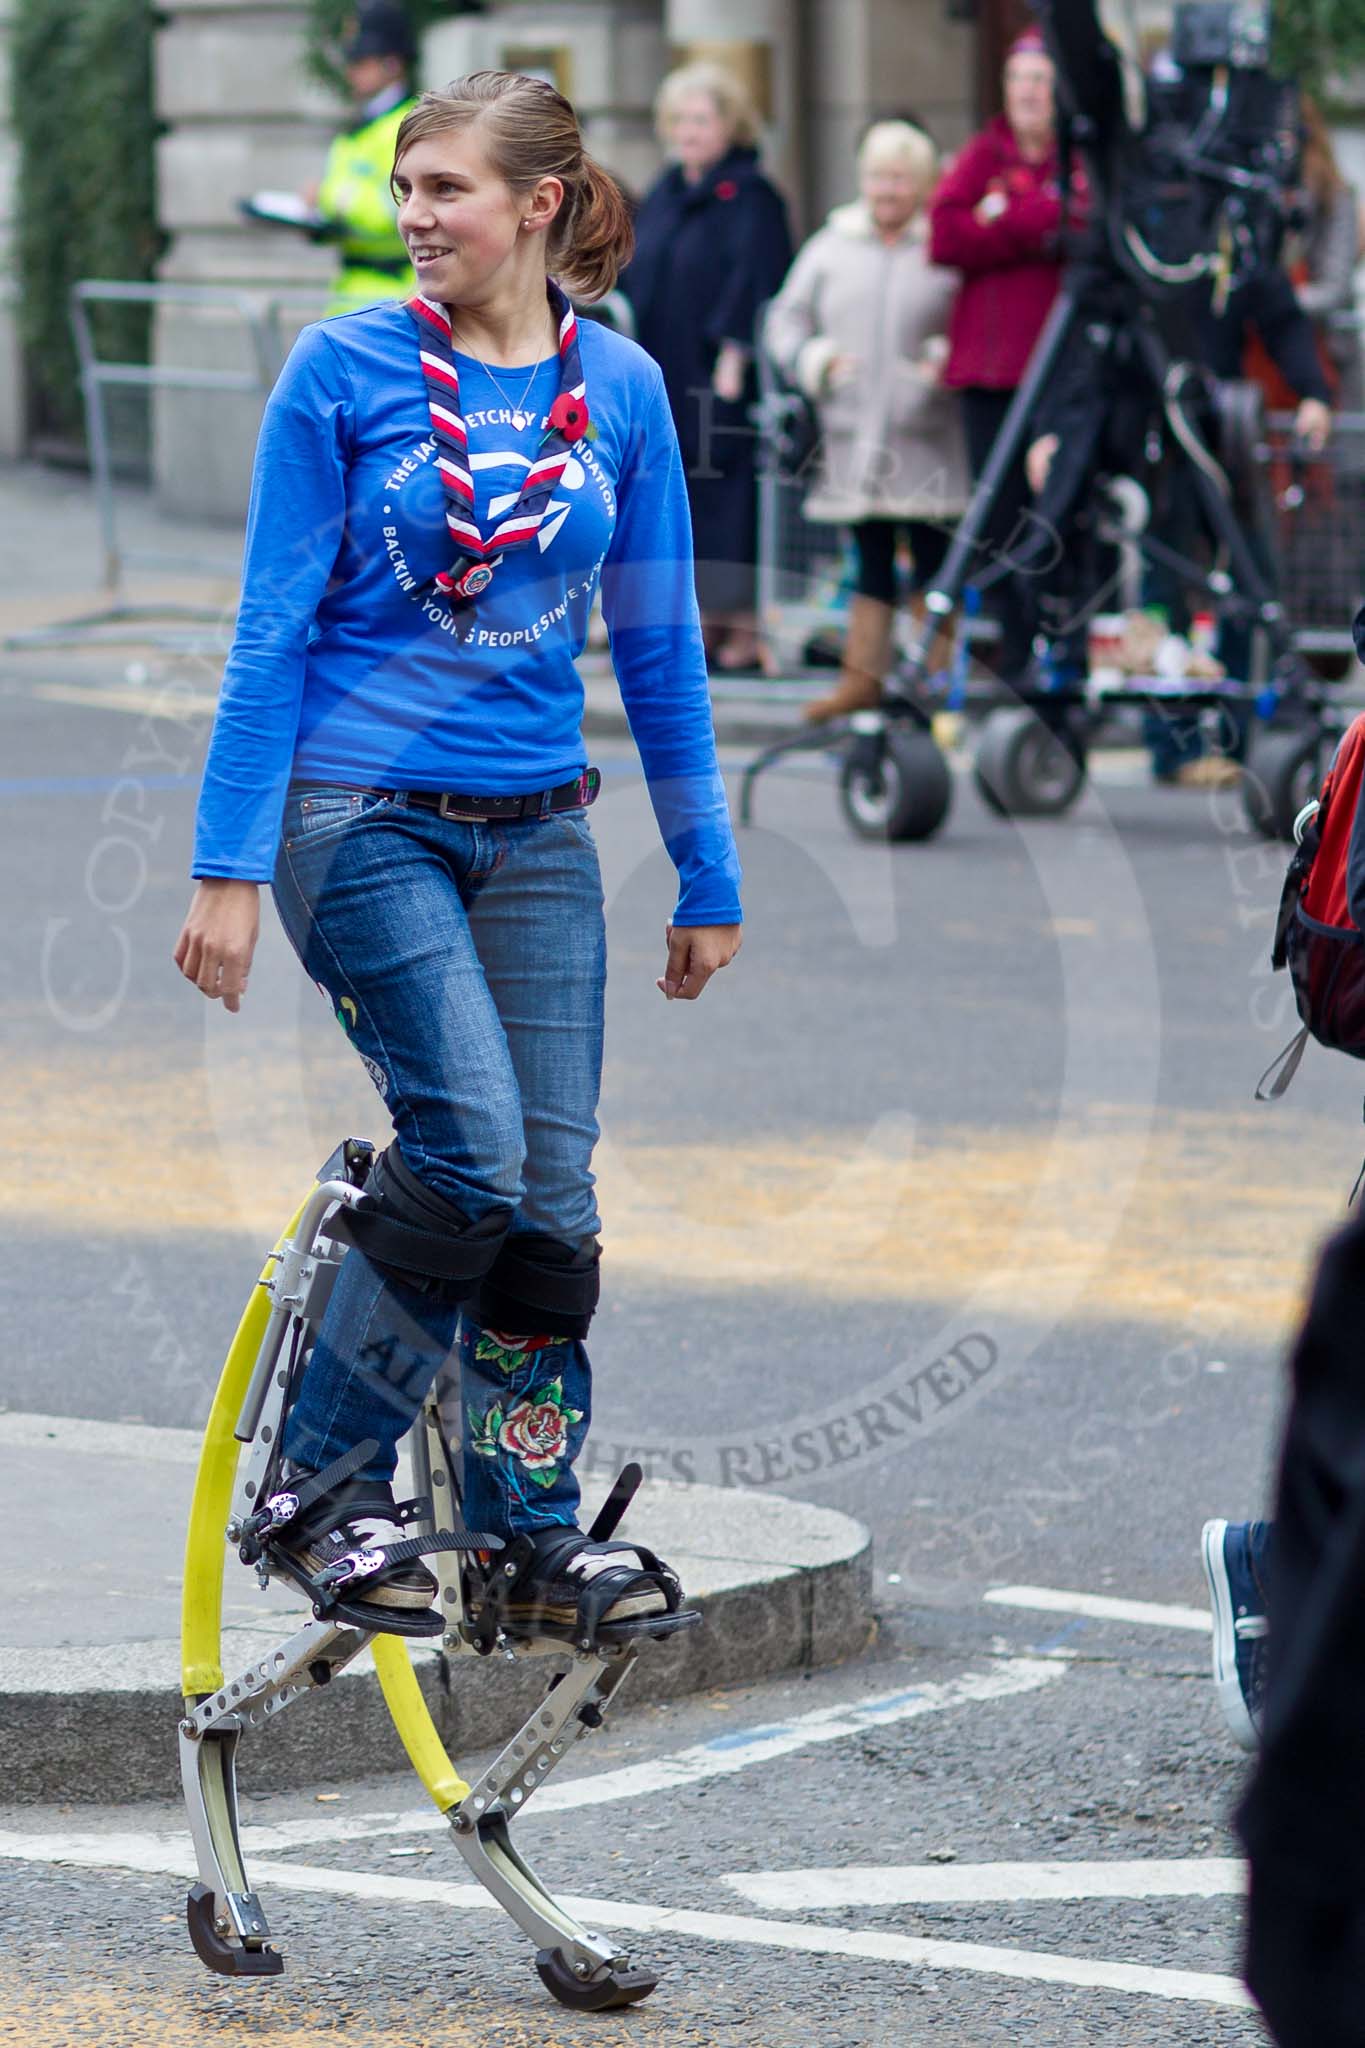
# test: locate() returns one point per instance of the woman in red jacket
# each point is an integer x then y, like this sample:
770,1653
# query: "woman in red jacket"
997,217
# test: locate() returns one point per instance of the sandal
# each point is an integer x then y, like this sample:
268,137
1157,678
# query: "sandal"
568,1581
344,1542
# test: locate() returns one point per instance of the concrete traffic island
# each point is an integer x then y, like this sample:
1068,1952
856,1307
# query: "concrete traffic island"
89,1650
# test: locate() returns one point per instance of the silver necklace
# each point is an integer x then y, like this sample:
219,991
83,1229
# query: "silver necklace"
520,417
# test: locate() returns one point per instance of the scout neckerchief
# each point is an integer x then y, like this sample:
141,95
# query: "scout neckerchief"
472,570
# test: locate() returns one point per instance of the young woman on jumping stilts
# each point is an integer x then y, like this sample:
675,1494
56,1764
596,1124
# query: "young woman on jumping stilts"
441,489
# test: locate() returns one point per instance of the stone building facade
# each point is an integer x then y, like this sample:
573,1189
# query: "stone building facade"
11,369
242,114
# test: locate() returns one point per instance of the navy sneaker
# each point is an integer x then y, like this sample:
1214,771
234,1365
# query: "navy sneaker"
1232,1553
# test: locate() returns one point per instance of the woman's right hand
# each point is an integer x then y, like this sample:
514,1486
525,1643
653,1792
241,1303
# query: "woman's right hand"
218,939
1038,462
727,378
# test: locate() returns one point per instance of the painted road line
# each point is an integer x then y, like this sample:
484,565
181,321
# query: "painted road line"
169,1854
139,1442
138,700
722,1756
1099,1607
934,1884
978,1958
736,1750
742,1930
88,785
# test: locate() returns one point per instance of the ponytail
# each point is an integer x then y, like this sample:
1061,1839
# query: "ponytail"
597,239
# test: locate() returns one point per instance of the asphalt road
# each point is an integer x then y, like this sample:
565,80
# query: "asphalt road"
949,1206
957,1841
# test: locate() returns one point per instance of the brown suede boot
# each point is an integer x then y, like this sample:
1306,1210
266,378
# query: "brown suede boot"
867,650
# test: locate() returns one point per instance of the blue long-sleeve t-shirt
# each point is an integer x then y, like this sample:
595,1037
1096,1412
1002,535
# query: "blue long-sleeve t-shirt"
345,669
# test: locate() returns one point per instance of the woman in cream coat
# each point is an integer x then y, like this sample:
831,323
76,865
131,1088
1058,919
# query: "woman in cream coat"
860,327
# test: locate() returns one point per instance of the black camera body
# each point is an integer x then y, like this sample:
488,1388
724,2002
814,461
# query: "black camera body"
1206,34
1200,189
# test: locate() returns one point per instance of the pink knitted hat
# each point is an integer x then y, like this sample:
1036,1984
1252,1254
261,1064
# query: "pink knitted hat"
1029,44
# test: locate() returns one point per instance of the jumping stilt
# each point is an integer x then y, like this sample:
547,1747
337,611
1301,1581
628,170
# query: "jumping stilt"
240,1494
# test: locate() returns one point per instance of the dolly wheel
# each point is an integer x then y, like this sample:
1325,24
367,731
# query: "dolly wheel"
1283,771
899,790
1024,769
591,1994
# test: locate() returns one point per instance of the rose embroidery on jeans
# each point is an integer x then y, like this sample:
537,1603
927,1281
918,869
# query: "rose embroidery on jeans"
535,1431
509,1354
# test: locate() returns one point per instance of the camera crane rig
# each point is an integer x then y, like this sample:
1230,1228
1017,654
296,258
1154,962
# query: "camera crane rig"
1189,173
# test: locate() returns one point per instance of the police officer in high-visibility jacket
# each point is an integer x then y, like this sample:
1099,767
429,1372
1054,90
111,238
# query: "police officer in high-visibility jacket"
354,192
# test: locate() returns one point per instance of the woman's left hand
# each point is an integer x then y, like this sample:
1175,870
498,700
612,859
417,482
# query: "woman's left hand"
694,954
1313,424
727,379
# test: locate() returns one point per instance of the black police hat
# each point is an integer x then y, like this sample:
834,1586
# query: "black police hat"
382,29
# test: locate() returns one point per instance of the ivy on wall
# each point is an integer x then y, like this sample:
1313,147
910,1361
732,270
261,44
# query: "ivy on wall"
1319,42
83,115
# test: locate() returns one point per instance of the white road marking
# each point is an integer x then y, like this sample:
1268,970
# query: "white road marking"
725,1754
934,1884
977,1958
1099,1607
173,1854
136,1441
720,1757
137,699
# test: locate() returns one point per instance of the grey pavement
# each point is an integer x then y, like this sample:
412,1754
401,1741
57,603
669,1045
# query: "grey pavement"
89,1661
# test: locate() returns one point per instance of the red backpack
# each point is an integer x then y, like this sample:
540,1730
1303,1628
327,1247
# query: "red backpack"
1320,931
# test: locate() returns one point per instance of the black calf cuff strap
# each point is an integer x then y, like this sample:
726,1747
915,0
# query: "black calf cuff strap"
401,1223
540,1285
426,1254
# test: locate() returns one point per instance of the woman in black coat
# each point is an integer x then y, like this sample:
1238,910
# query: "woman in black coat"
712,244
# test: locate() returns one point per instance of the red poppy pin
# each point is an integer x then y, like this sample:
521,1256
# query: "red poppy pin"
727,189
569,417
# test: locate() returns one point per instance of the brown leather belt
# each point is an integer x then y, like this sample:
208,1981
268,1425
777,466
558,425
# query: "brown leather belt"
540,803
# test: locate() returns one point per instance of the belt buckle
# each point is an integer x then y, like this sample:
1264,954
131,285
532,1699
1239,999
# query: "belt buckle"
446,808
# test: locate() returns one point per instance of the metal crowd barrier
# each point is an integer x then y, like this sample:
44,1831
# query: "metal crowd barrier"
261,312
805,568
801,563
1316,530
164,624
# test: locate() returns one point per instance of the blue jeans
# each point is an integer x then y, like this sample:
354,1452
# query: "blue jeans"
467,965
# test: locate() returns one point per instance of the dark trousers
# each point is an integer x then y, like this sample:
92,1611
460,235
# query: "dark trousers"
1303,1820
874,542
982,413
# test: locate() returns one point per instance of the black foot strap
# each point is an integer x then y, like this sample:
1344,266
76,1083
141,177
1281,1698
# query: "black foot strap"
608,1516
533,1562
289,1502
352,1570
